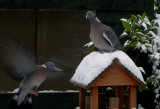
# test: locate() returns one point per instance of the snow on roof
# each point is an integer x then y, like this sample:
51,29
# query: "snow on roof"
95,63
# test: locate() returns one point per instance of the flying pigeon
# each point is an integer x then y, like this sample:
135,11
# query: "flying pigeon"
22,67
32,81
102,36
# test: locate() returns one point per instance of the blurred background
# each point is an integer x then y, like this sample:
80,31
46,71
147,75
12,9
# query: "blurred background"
56,30
53,30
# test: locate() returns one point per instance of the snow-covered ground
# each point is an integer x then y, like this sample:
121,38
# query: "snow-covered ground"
47,91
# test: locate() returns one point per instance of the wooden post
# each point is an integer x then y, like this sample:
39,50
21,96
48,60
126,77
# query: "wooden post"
114,103
132,97
120,95
82,95
87,104
101,101
94,97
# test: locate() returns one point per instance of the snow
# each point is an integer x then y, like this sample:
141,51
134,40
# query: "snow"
142,70
52,91
93,64
124,20
127,43
147,21
48,91
140,107
89,44
144,25
158,20
153,34
77,108
124,33
16,90
140,33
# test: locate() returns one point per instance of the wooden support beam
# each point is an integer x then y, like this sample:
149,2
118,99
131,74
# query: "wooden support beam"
114,103
87,104
101,101
94,97
120,95
82,95
132,97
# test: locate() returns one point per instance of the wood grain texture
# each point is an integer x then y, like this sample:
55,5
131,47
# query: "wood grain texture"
120,95
132,97
94,98
114,76
82,95
114,103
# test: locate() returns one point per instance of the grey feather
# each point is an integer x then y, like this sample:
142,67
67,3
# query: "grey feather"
112,37
16,59
31,82
22,66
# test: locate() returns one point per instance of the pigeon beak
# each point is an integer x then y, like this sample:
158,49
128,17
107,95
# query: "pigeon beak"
86,16
57,69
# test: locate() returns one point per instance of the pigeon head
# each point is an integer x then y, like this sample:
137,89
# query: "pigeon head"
51,66
90,15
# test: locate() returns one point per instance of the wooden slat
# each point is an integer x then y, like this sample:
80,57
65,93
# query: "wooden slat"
102,100
114,76
82,95
87,102
114,103
133,97
120,95
94,98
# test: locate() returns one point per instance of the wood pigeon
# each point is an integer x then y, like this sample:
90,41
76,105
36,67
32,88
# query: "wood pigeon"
23,68
102,36
32,81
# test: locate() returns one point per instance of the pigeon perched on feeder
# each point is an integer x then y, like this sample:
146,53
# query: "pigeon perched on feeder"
22,67
102,36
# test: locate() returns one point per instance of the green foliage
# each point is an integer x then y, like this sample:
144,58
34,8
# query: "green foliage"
150,80
138,32
141,34
140,88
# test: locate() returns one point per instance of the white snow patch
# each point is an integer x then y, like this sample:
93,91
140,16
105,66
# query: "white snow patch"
49,91
158,16
140,33
52,91
123,20
89,44
144,25
142,70
77,108
140,107
16,90
146,21
124,33
95,63
127,43
158,20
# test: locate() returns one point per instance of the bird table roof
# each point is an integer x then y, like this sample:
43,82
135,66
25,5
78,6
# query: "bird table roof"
94,64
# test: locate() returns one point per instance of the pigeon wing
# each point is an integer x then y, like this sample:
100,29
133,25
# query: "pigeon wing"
16,60
112,38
